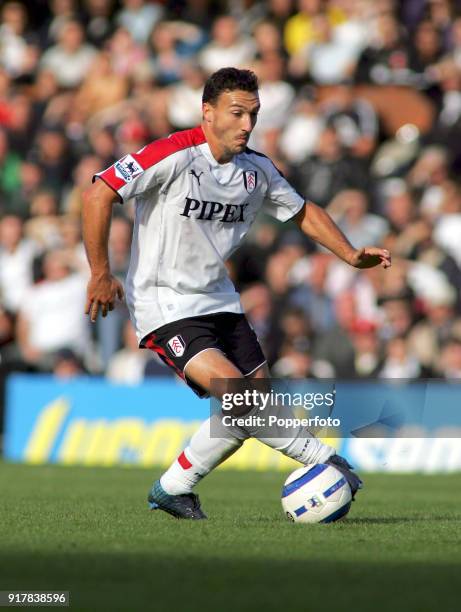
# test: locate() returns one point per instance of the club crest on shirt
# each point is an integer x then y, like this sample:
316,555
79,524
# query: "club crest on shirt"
127,168
177,346
250,180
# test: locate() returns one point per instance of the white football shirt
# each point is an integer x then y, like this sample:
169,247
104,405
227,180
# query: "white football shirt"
191,215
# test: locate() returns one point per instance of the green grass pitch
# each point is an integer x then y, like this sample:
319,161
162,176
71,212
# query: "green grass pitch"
89,531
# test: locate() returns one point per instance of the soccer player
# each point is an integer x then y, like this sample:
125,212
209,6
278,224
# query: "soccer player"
197,193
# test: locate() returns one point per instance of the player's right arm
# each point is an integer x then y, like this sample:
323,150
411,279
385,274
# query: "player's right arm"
103,288
130,176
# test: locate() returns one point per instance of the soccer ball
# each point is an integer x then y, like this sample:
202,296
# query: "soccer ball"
316,494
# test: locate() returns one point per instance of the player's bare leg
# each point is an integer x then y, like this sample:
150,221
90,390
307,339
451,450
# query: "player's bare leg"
173,492
206,451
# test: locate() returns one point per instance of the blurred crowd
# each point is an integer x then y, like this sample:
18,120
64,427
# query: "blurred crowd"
361,110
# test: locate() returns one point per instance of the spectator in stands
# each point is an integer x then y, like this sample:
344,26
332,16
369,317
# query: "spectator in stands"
66,364
301,133
426,178
334,348
101,87
311,293
16,257
399,362
426,53
259,307
397,317
248,263
21,127
10,172
295,361
166,61
441,13
18,202
293,335
61,12
268,39
52,157
300,29
19,52
354,32
387,59
83,172
70,59
132,132
330,170
43,226
139,18
71,243
51,314
447,227
399,207
368,360
279,12
439,325
103,144
127,365
183,100
446,129
44,91
228,47
127,55
350,211
276,97
201,13
98,21
450,359
326,60
354,120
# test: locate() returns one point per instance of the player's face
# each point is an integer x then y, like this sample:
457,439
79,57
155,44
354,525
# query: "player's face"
230,121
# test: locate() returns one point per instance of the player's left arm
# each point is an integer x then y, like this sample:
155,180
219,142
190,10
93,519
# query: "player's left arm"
319,226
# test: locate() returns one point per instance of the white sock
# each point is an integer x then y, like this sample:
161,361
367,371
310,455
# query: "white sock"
205,451
295,441
303,447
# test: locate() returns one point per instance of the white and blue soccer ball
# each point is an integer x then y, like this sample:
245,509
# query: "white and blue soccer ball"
316,494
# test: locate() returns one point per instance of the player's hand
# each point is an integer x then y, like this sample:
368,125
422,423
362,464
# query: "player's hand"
369,257
101,293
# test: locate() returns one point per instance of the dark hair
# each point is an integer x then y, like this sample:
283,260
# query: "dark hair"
228,79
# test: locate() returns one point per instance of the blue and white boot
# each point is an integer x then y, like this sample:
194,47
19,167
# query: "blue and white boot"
185,506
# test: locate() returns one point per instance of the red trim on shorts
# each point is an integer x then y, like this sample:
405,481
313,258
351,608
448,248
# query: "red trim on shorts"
150,344
184,461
